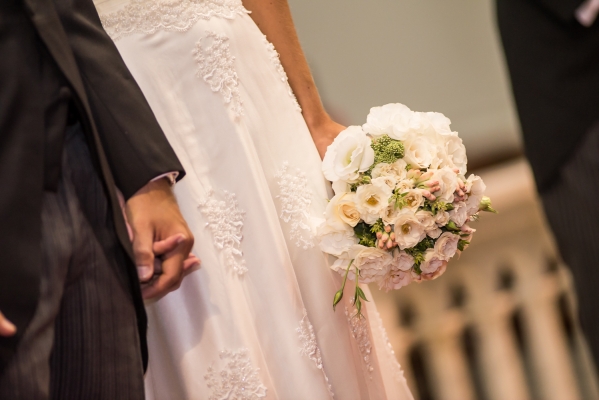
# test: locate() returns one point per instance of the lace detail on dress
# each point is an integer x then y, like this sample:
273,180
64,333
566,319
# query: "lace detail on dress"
150,16
225,220
359,330
397,371
296,198
274,56
310,347
237,379
216,66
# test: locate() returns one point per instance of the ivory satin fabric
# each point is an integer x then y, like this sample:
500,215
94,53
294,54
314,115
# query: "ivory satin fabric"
256,320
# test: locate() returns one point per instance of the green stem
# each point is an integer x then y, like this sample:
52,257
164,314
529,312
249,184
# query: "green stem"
345,276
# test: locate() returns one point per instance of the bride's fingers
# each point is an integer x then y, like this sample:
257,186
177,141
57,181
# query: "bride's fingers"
169,244
191,264
7,328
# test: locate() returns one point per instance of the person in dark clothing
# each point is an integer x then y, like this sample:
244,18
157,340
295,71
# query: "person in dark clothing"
74,130
552,52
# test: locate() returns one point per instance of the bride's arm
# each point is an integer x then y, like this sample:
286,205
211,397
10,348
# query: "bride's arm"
273,17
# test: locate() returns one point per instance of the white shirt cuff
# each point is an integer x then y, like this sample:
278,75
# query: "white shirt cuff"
171,176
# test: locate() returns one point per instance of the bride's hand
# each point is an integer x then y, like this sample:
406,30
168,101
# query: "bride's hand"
324,133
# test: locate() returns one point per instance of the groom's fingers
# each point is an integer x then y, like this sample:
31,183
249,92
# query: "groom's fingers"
169,244
6,327
144,256
171,277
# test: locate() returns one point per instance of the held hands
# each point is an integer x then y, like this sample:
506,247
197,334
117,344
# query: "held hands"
159,231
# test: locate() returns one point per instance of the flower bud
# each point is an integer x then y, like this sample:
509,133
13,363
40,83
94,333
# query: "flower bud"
379,235
387,228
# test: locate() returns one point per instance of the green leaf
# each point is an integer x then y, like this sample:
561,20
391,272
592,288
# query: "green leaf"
361,294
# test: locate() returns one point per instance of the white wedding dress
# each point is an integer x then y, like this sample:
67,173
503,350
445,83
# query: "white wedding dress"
256,320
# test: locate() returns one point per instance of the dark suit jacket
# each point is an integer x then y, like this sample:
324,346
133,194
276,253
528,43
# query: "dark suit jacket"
124,137
554,68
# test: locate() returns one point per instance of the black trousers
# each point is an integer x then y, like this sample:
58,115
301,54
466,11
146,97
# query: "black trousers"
572,208
82,342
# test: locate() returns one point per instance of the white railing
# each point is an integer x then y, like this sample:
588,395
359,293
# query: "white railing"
499,324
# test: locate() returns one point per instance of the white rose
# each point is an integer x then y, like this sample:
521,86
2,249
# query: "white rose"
335,241
427,219
476,191
348,155
396,170
372,199
442,218
373,263
342,208
448,183
395,279
408,230
389,214
402,260
447,245
413,199
419,151
459,214
432,262
404,185
390,119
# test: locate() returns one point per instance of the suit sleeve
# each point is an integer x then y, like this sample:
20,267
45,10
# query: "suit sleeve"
134,143
563,9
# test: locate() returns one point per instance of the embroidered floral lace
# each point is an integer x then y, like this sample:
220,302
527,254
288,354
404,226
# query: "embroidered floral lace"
397,371
274,56
216,66
150,16
296,197
236,379
359,330
225,220
310,347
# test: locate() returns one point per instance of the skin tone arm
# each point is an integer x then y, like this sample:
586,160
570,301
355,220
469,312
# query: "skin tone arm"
273,17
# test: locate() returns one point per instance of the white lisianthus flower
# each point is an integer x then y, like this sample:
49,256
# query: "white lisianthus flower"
334,240
408,230
440,123
459,214
391,119
442,218
456,152
447,245
341,187
372,199
348,155
373,263
389,214
476,191
413,199
448,183
432,262
419,151
400,272
342,209
427,219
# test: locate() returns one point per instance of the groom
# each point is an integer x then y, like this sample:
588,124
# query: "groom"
74,126
552,51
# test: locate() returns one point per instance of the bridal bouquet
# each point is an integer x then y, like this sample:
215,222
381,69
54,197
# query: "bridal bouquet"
403,205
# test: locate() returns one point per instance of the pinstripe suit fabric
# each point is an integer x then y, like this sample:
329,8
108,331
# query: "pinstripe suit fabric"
573,213
82,342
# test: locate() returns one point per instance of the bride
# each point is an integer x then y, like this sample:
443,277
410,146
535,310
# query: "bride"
256,321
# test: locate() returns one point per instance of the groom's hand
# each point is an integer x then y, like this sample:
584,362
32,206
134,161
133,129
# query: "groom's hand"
6,327
154,216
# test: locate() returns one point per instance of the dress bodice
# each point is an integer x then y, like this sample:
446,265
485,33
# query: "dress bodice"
123,17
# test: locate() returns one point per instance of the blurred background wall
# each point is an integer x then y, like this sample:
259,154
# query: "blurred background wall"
500,323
